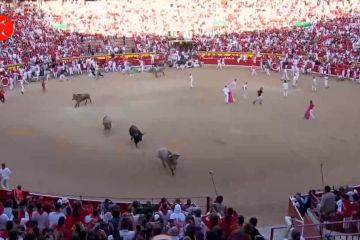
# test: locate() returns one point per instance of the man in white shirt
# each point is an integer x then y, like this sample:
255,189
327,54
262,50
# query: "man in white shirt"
295,79
233,85
219,64
313,85
326,82
226,93
54,216
285,88
191,80
5,175
245,90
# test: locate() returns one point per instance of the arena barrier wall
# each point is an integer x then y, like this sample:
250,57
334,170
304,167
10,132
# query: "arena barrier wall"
321,233
237,59
245,59
89,202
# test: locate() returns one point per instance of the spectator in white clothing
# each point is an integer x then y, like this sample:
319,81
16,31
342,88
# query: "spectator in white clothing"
54,216
41,217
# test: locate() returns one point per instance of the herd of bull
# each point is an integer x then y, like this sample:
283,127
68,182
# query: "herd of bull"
167,158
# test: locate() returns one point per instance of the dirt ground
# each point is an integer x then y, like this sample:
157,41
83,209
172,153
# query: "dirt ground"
259,154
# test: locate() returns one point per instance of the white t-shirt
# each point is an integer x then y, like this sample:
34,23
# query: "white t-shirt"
42,219
5,173
285,85
245,87
54,218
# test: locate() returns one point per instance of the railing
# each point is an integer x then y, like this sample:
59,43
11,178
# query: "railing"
322,231
203,202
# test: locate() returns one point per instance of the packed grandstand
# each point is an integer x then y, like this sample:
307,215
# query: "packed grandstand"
61,36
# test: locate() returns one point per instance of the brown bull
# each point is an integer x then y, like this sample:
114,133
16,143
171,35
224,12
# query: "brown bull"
80,98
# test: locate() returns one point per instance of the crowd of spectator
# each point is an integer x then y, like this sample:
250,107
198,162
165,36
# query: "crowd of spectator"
132,17
330,44
30,218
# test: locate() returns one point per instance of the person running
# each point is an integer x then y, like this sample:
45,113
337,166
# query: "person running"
245,90
226,91
310,111
259,97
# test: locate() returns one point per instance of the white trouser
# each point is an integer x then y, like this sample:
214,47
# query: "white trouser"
79,69
5,183
22,87
191,83
313,88
226,97
258,99
285,92
312,114
267,71
245,94
11,83
253,71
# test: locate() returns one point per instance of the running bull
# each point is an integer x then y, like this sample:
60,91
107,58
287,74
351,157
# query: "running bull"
80,98
168,158
135,134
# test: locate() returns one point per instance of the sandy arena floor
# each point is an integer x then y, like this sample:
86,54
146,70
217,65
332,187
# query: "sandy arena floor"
259,154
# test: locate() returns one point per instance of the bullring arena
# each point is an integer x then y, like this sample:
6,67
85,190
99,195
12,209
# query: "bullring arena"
259,154
208,119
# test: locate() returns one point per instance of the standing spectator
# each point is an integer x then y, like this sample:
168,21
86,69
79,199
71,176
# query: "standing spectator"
116,219
5,174
241,220
126,231
41,217
255,235
55,215
229,222
18,195
327,205
178,217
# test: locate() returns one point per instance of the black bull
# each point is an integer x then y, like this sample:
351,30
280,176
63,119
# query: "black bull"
135,134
